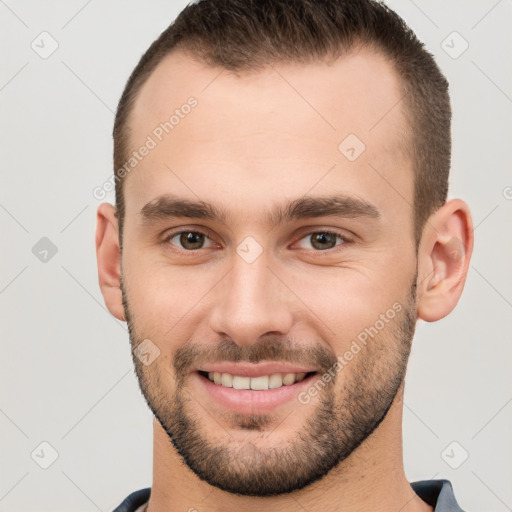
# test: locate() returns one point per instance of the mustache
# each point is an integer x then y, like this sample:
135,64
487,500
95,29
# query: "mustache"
269,349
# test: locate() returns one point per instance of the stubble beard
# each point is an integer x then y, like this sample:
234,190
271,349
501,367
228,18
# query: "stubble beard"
341,420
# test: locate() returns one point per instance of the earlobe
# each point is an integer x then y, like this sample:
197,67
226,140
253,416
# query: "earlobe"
443,260
108,255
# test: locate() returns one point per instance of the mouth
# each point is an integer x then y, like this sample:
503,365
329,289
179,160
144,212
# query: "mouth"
257,383
252,389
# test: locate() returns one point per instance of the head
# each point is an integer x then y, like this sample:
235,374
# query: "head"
289,209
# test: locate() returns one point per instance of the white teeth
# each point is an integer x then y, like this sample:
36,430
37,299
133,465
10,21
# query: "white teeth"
241,382
276,380
288,379
226,380
259,383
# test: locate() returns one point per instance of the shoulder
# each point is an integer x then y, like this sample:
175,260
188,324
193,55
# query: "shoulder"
437,493
134,500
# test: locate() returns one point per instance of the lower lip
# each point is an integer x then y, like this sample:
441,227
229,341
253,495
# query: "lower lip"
248,401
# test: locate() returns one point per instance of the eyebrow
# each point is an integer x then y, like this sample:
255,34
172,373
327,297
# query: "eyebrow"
169,206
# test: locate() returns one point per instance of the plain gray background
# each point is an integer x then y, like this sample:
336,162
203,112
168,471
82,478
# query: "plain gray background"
65,365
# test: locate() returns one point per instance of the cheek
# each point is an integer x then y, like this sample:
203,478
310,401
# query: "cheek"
343,302
163,298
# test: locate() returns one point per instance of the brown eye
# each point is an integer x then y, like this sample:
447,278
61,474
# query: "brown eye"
322,240
189,240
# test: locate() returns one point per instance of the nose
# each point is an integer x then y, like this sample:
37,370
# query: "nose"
251,302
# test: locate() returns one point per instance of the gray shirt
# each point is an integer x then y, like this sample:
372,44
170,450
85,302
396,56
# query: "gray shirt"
437,493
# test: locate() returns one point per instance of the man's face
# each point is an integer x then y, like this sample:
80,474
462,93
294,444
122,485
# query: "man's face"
258,294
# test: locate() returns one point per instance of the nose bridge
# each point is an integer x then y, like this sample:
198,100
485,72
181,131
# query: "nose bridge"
251,302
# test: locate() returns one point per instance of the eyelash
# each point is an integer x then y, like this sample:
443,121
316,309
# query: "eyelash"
339,236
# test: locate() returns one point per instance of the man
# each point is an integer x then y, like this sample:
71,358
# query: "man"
281,223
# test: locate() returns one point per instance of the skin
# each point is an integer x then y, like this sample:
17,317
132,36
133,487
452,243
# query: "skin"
251,143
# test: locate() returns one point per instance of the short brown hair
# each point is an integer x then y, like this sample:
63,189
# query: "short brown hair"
248,34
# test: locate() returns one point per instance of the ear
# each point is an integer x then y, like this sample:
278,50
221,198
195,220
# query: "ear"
443,260
108,255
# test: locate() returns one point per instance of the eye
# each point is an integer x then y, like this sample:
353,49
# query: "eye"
321,240
189,240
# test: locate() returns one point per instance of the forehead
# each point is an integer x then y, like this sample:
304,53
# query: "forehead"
279,129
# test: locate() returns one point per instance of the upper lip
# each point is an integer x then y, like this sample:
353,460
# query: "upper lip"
255,370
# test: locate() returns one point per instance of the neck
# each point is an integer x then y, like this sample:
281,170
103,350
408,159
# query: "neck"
371,479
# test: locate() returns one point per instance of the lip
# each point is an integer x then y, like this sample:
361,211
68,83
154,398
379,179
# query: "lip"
248,401
254,370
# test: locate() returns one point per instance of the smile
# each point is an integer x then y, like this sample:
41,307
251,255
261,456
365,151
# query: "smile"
260,383
252,388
